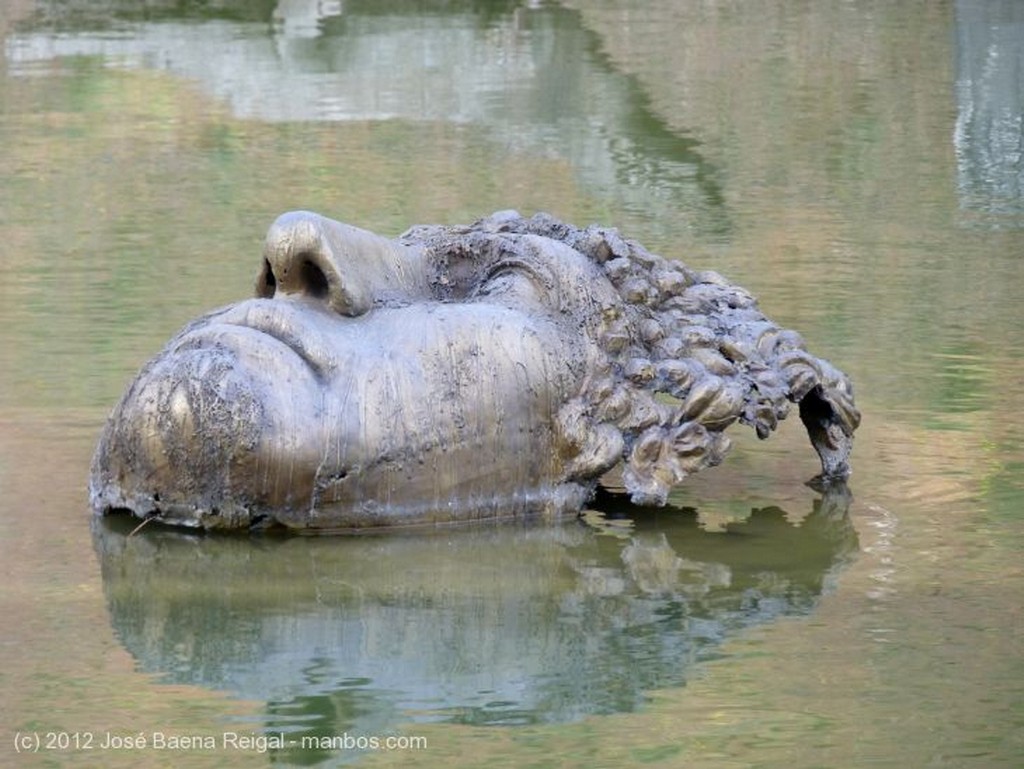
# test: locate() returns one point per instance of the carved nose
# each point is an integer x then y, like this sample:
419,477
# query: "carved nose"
348,269
304,256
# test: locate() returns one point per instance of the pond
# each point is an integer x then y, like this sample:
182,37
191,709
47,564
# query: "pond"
857,165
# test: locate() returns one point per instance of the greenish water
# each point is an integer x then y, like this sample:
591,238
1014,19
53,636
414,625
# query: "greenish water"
857,165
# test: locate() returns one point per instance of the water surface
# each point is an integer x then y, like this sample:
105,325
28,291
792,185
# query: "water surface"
857,165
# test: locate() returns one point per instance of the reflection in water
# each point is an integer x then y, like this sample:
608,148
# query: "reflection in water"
501,624
989,135
530,76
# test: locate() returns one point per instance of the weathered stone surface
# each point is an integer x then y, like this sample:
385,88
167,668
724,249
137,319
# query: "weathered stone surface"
455,373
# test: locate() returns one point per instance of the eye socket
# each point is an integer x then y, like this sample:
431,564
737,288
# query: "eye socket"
522,278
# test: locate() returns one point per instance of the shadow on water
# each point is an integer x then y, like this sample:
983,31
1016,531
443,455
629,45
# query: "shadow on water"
531,77
487,624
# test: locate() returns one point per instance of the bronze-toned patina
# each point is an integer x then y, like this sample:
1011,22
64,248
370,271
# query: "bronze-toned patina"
454,373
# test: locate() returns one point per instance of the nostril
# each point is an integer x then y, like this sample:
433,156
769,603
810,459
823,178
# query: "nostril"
266,282
301,275
269,281
314,282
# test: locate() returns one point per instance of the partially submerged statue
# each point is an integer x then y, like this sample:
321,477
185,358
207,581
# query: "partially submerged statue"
454,373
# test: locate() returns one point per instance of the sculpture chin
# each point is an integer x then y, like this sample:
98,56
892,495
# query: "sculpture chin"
453,374
208,436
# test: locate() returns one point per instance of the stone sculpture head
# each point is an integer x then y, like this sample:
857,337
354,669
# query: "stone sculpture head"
454,373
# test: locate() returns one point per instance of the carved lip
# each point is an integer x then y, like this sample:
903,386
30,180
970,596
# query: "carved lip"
286,325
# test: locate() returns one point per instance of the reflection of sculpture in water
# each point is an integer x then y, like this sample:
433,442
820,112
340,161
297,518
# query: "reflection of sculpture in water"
455,373
492,624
